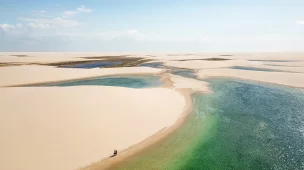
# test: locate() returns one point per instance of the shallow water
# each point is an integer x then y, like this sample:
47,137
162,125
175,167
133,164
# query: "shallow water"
242,125
260,127
173,70
255,69
93,64
183,73
153,65
122,81
282,65
277,60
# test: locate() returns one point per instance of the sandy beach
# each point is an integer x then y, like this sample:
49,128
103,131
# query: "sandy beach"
67,128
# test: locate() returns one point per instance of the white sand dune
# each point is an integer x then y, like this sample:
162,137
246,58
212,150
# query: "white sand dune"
288,64
228,55
65,128
283,68
42,57
180,82
200,64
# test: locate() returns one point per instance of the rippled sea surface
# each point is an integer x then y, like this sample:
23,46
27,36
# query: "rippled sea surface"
242,125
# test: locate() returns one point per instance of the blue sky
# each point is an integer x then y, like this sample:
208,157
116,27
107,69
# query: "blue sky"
152,26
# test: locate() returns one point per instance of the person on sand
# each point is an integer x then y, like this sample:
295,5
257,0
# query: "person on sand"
114,154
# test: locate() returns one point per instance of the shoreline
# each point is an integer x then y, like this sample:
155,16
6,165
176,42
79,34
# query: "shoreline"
158,137
86,78
252,80
163,134
206,77
79,117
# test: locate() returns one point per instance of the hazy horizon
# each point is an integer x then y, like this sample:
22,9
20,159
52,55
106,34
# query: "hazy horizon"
152,26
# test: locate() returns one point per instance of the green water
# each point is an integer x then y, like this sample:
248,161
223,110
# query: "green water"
122,81
242,125
183,72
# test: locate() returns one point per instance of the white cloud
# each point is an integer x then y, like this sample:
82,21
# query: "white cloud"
83,8
12,29
53,22
70,13
132,31
19,25
130,34
7,27
249,39
39,11
300,22
37,25
65,22
111,35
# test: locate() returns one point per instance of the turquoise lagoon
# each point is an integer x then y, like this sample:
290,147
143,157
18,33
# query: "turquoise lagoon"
122,81
254,69
241,125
